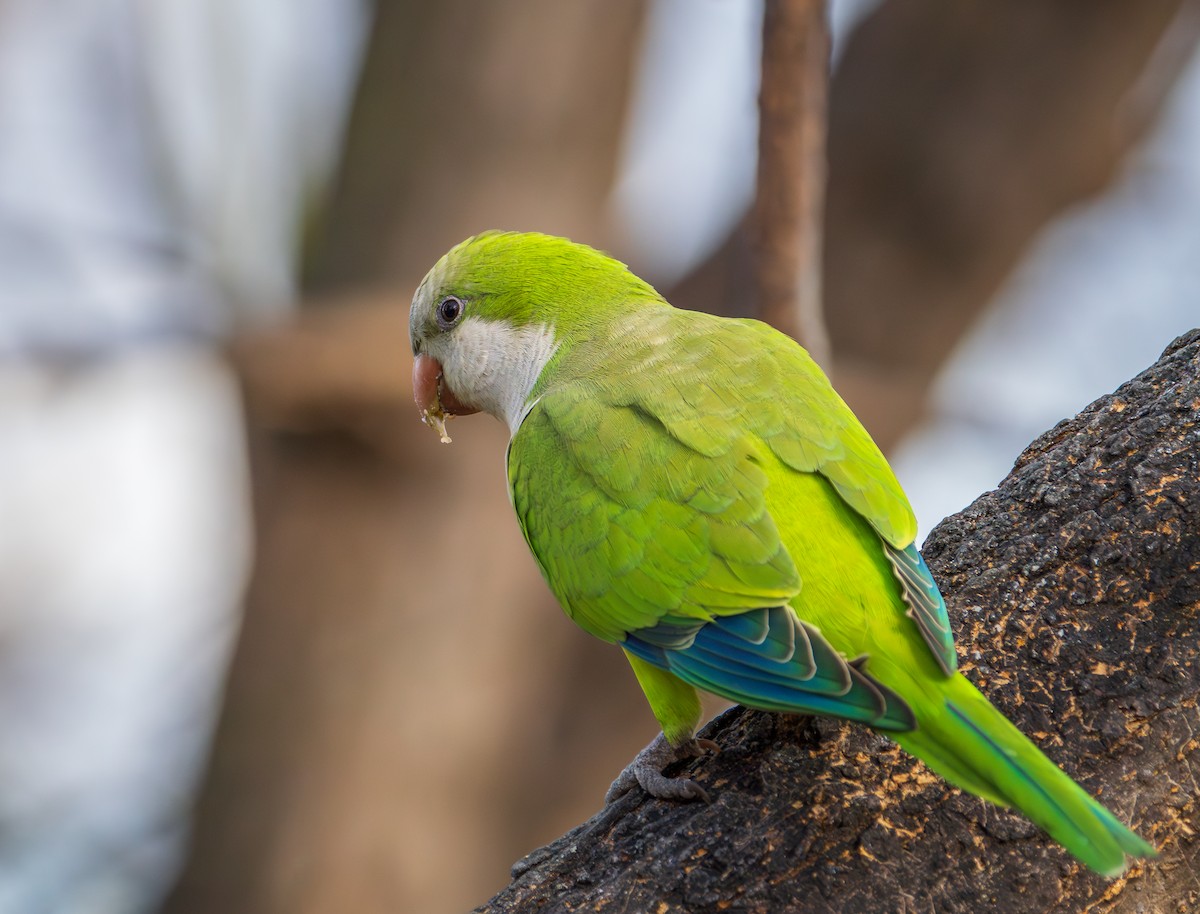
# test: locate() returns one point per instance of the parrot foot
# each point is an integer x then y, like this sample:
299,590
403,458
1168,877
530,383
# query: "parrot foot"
646,770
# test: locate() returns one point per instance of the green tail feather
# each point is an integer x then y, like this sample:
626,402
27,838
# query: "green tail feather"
974,746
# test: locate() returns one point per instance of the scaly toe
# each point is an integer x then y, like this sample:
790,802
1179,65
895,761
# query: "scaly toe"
624,783
647,770
659,785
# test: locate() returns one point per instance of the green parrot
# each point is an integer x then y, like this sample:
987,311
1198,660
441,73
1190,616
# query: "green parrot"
694,491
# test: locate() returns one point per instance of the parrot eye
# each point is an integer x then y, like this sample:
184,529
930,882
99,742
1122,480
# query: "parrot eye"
449,310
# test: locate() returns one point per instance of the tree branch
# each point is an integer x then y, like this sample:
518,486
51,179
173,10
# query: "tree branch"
789,200
1075,593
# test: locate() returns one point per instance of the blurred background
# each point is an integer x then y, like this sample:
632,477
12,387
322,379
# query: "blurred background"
264,642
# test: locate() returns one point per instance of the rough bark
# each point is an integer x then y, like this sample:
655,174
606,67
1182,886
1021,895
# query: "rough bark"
1074,589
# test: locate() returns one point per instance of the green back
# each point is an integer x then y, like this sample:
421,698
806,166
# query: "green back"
638,475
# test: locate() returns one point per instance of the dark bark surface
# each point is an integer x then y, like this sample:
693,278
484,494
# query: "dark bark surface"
1074,589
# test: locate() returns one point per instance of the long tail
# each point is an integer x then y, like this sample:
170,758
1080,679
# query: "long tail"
973,745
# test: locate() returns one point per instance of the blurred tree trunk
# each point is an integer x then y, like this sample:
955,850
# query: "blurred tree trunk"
957,131
1075,598
477,115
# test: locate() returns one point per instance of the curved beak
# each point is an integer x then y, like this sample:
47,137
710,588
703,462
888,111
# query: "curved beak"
432,396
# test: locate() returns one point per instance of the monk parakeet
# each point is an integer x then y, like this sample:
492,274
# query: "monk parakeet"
695,492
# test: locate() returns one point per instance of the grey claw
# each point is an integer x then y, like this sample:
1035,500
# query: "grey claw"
624,783
659,785
647,771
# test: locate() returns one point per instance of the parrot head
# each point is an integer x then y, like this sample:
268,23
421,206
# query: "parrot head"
501,306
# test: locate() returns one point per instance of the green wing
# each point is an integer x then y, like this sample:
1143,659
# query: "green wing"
631,526
640,486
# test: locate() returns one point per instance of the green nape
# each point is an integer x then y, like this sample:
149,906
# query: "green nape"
528,278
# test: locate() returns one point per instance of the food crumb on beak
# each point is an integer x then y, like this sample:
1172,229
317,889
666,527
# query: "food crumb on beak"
427,391
436,420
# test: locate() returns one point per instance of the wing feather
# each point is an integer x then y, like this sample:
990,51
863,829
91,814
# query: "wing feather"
739,658
641,493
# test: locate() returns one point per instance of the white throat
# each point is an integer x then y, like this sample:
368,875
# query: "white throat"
493,365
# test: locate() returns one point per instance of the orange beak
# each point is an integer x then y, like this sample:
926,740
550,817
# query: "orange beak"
431,394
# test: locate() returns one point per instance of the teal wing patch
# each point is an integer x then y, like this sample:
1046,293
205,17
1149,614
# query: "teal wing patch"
925,604
770,659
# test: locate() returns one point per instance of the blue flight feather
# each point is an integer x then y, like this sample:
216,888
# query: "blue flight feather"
925,604
738,657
